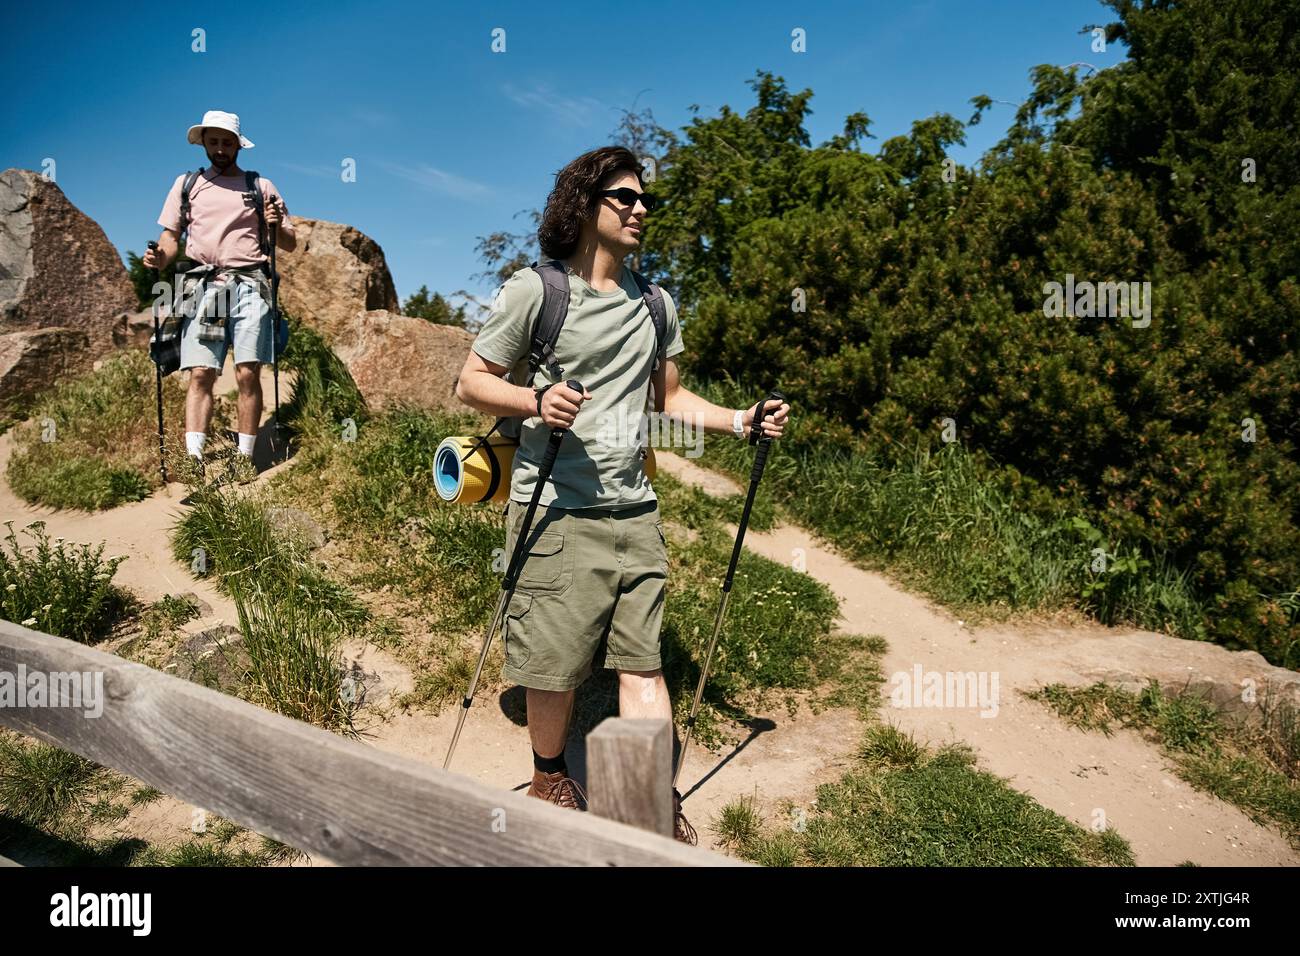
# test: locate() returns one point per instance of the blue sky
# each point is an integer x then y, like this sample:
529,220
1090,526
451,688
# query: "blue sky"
452,140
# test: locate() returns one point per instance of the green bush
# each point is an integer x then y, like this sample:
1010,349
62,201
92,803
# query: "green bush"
897,297
58,588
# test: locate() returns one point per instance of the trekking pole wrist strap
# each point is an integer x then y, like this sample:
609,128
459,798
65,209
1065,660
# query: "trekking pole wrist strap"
540,392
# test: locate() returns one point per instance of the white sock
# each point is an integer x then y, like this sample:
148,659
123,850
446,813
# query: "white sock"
194,443
246,443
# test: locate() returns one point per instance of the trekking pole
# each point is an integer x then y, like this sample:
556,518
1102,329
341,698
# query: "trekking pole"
157,367
275,342
512,572
756,437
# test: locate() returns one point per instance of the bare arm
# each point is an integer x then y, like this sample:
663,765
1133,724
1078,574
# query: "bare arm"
168,243
483,389
682,403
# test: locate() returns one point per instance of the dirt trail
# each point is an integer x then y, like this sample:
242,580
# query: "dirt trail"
1079,775
1071,772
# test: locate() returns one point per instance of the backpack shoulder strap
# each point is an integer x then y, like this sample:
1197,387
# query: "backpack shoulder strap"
550,319
190,179
654,299
255,197
541,349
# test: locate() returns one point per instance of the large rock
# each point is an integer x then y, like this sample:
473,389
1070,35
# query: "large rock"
1231,680
395,359
57,268
334,273
57,271
132,330
33,360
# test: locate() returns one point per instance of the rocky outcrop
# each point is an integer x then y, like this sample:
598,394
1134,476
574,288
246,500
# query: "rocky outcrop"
33,360
57,268
398,360
57,271
334,273
132,330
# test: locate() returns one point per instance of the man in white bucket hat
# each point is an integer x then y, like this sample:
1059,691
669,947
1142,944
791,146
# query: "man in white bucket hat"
226,216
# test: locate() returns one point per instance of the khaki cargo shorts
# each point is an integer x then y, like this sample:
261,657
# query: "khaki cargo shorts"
593,582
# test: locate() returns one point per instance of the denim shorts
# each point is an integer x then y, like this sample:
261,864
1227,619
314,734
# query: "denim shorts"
593,581
248,331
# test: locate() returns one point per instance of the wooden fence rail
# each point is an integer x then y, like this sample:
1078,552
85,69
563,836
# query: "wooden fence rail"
338,797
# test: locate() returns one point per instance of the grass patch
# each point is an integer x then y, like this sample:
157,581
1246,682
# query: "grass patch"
92,441
903,805
294,664
161,618
223,843
52,802
60,588
229,537
292,615
1250,760
48,788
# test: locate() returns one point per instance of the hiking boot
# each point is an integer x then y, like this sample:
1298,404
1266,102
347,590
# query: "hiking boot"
558,788
682,829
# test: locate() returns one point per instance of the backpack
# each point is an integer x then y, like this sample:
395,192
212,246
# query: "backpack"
546,332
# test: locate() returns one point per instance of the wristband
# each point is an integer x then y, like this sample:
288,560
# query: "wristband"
540,392
738,423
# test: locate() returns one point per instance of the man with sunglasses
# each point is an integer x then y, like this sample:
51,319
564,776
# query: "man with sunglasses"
593,581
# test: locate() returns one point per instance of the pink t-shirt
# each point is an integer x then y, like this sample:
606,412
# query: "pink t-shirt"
223,224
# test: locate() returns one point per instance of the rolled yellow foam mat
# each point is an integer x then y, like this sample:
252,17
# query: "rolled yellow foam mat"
485,475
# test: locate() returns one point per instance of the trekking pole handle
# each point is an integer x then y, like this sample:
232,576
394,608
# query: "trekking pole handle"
757,437
557,434
152,246
756,426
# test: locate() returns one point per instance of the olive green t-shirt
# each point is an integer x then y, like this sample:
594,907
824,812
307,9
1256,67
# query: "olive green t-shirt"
608,344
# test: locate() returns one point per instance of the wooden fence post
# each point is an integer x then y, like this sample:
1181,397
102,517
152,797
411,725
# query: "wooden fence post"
629,772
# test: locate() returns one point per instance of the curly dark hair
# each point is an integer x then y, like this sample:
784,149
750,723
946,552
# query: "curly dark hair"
573,200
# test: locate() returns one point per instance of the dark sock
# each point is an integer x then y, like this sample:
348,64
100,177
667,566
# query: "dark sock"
549,764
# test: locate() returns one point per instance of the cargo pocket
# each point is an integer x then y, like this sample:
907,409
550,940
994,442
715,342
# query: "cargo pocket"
545,565
516,629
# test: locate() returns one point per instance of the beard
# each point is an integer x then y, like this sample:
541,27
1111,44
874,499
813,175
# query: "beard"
223,163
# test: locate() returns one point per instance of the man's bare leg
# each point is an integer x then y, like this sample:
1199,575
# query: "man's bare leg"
643,694
247,377
548,720
198,410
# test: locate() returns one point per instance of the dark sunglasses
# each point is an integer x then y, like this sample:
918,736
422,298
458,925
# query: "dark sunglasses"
628,197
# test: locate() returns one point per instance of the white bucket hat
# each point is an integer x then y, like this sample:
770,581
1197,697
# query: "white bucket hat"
221,120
